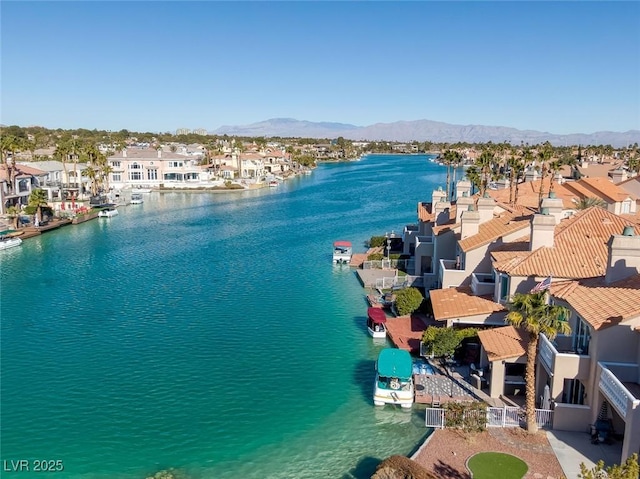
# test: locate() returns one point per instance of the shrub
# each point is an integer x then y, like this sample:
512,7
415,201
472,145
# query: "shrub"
466,416
408,300
443,342
377,241
375,257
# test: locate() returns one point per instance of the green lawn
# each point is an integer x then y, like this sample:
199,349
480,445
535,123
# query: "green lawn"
496,465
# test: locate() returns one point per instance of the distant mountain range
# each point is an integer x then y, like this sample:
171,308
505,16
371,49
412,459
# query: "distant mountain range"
424,130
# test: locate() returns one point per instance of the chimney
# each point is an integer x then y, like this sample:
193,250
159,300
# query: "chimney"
554,206
124,153
470,223
463,189
441,211
624,256
618,176
159,153
463,205
542,228
485,208
530,175
436,196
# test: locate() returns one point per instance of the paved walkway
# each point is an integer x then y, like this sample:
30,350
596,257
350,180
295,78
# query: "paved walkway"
573,448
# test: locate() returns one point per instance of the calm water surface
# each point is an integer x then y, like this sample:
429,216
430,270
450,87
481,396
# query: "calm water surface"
207,332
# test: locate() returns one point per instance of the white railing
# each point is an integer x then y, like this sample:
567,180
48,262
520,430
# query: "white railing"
495,417
386,264
399,282
547,352
503,416
544,418
617,394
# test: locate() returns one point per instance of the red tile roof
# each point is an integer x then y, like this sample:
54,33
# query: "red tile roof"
503,343
580,248
491,230
599,304
459,303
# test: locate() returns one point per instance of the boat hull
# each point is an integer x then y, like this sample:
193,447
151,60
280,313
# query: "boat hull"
377,334
10,243
402,398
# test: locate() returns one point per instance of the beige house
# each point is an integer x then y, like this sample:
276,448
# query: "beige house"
149,168
618,200
16,184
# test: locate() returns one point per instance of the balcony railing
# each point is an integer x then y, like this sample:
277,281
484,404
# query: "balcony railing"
482,284
616,393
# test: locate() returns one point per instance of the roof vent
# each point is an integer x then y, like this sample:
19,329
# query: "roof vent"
544,211
552,194
470,208
628,231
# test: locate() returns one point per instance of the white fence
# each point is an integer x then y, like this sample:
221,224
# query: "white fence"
435,417
399,282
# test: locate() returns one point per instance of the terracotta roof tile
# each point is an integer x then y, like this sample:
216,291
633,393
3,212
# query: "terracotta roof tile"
503,343
606,187
459,303
529,194
580,248
21,171
599,304
491,230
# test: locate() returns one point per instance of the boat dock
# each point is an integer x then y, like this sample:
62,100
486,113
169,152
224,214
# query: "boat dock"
406,331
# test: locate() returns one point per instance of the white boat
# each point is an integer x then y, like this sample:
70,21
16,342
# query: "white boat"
136,199
394,378
142,190
273,184
9,242
108,213
342,251
376,319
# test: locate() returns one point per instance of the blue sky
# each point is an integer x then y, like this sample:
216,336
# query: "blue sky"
562,67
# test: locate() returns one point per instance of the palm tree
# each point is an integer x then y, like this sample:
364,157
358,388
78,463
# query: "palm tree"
544,155
448,159
531,313
590,201
62,154
516,168
457,159
485,165
554,167
38,198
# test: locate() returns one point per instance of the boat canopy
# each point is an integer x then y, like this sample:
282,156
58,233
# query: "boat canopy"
395,363
376,315
343,244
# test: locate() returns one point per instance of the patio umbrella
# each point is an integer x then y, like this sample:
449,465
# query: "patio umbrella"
546,398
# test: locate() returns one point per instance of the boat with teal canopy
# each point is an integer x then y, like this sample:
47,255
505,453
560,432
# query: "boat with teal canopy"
394,378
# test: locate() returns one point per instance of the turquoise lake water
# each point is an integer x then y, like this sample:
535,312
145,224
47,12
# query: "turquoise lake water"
207,332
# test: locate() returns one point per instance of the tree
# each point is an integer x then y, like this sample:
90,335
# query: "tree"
590,201
443,342
531,313
629,470
544,155
408,300
38,199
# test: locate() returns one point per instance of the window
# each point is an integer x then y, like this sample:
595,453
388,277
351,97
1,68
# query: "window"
116,177
23,185
175,164
626,207
115,164
152,174
135,166
504,287
135,175
573,392
582,337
